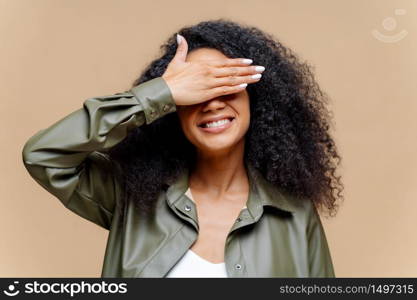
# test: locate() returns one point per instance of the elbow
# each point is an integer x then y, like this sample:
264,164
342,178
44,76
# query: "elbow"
30,151
28,156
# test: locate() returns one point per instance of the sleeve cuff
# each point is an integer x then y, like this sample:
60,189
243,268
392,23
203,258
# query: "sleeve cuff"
155,97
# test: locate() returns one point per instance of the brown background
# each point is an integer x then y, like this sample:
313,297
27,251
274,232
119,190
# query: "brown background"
55,54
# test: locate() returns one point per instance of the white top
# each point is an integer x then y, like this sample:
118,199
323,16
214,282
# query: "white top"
193,265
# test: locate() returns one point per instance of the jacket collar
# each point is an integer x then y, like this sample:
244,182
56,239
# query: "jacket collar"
264,193
261,193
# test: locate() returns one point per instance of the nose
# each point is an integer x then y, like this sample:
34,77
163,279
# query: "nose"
213,104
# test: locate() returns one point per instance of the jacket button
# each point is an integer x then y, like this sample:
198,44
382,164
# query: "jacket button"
187,208
166,107
238,266
238,219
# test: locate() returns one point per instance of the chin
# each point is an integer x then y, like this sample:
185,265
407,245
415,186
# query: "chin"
216,146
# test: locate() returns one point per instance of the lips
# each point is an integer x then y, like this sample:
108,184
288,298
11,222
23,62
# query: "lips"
219,128
213,119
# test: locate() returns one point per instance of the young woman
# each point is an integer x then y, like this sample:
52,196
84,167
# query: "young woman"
212,165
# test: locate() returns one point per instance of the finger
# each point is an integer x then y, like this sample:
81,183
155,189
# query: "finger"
229,62
235,80
236,71
182,50
226,90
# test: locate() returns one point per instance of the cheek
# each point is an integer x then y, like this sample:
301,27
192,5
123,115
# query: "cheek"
243,110
245,125
186,123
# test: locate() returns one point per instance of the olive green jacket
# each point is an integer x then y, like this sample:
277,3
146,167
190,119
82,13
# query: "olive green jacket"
274,236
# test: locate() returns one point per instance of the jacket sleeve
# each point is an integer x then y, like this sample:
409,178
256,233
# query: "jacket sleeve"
320,261
65,158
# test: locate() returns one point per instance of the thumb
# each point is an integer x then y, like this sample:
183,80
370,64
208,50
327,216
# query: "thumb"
182,49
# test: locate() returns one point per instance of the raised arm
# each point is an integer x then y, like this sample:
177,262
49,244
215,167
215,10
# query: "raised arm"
65,158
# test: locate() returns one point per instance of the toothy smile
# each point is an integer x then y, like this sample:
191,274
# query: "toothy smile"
217,123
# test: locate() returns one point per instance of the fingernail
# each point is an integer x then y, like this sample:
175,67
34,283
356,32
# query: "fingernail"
256,76
259,68
178,39
247,61
242,85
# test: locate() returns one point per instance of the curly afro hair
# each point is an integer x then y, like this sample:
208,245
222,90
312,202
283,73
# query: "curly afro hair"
288,139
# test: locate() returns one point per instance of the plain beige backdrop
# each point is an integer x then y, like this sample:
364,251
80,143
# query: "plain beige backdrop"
54,54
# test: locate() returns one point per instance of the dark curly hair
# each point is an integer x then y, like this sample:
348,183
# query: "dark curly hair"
288,139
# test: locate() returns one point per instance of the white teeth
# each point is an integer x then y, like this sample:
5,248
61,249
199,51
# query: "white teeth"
216,123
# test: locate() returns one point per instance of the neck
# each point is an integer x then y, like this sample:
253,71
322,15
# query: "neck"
223,172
